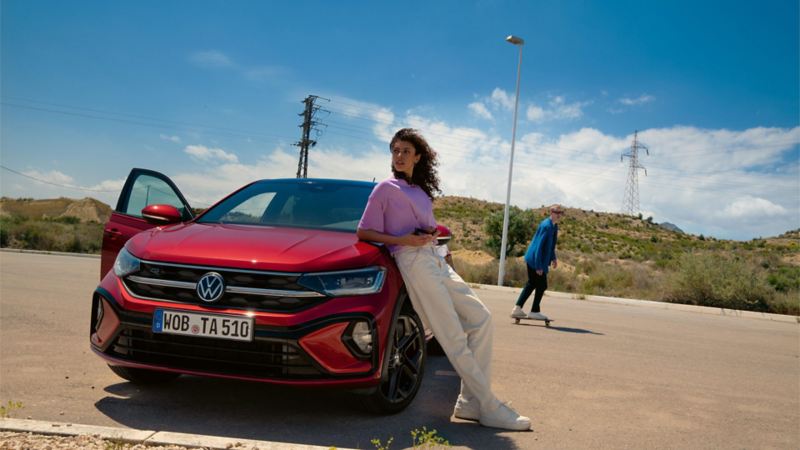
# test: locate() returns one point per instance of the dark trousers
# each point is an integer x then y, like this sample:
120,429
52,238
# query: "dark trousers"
535,282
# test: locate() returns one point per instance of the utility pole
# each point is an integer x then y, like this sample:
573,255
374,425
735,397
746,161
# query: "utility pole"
630,204
308,125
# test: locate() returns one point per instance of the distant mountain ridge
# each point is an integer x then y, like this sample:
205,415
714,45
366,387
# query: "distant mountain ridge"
670,227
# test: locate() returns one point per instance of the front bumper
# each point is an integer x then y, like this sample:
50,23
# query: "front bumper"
307,348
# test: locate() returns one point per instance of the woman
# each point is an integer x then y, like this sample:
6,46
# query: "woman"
399,213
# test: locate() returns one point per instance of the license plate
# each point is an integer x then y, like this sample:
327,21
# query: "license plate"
203,325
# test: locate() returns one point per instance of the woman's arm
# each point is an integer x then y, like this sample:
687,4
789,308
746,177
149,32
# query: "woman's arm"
411,239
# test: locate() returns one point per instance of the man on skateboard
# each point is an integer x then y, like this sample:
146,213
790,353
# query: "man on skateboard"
540,256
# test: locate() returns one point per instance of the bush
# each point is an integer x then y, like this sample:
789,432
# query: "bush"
718,281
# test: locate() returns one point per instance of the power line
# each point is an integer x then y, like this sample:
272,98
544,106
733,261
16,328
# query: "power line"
147,121
56,184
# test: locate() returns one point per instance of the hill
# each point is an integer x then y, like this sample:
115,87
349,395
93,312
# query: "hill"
84,210
61,224
618,255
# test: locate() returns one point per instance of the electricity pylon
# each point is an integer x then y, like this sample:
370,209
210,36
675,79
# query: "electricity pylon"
630,204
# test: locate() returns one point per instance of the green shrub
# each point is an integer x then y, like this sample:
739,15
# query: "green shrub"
719,281
785,279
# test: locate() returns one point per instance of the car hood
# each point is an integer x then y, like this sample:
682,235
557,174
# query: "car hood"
254,247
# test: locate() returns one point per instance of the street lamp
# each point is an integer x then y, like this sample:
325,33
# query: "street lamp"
518,41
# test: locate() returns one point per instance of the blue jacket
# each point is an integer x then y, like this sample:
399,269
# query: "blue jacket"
542,249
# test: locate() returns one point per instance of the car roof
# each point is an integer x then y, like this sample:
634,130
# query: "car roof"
328,181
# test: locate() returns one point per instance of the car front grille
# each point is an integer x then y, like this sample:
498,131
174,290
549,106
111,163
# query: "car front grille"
265,291
263,357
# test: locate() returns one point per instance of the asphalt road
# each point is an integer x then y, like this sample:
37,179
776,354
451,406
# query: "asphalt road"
603,376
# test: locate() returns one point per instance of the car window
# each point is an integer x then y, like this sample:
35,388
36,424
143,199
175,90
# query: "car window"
250,210
321,205
149,190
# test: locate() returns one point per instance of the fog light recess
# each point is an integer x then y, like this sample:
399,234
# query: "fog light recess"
358,337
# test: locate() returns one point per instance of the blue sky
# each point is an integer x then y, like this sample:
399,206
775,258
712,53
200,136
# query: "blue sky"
209,93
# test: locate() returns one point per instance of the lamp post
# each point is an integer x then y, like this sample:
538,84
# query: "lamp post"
518,41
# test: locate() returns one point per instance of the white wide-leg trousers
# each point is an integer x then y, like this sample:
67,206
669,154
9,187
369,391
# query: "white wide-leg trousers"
460,321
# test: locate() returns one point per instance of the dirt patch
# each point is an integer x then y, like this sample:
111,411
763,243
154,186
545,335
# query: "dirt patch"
793,259
87,210
477,257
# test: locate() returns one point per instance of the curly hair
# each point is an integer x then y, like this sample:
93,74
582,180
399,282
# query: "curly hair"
425,174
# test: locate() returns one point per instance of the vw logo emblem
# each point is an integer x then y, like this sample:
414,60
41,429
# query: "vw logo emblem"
210,287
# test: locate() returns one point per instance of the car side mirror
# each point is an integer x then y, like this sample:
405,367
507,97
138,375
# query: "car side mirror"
161,214
444,235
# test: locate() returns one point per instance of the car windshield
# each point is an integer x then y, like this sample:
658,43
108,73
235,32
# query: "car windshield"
318,204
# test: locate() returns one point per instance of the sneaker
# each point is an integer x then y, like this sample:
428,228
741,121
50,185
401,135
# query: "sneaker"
506,418
467,410
518,313
537,316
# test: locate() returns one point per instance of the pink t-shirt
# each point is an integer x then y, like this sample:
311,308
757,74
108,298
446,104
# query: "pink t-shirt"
394,207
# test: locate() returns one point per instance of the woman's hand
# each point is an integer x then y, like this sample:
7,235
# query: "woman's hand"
416,240
555,264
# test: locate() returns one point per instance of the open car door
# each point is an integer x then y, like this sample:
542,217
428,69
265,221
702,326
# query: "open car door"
142,188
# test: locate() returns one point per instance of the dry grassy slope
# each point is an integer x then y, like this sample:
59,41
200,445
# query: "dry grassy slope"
591,232
86,209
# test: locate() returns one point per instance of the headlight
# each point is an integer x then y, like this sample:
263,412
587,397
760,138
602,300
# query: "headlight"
125,263
347,282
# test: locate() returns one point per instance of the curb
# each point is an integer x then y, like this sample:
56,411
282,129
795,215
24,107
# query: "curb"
146,437
48,252
652,304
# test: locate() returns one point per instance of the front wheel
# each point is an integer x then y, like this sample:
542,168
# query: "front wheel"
143,376
405,368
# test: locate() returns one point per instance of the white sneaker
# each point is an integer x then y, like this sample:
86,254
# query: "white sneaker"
537,316
518,313
506,418
467,410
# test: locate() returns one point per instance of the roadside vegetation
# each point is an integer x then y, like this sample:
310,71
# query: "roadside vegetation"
599,253
632,257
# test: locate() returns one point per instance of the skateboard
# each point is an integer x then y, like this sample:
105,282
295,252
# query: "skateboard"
546,321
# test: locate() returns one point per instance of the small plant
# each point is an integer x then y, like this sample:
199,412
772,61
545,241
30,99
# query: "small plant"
114,444
427,439
379,444
5,411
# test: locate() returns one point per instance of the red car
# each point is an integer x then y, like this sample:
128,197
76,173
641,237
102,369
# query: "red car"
270,284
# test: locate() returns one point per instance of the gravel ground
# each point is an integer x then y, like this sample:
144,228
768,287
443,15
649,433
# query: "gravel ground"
29,441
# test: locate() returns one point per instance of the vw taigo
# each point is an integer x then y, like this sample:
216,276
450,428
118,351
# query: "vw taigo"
270,284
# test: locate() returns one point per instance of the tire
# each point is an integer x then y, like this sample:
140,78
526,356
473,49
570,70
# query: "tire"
143,376
404,366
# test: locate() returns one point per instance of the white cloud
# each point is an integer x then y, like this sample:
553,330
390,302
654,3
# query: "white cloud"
165,137
502,99
556,109
749,207
355,110
211,59
480,110
713,187
640,100
52,176
203,153
36,183
535,113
